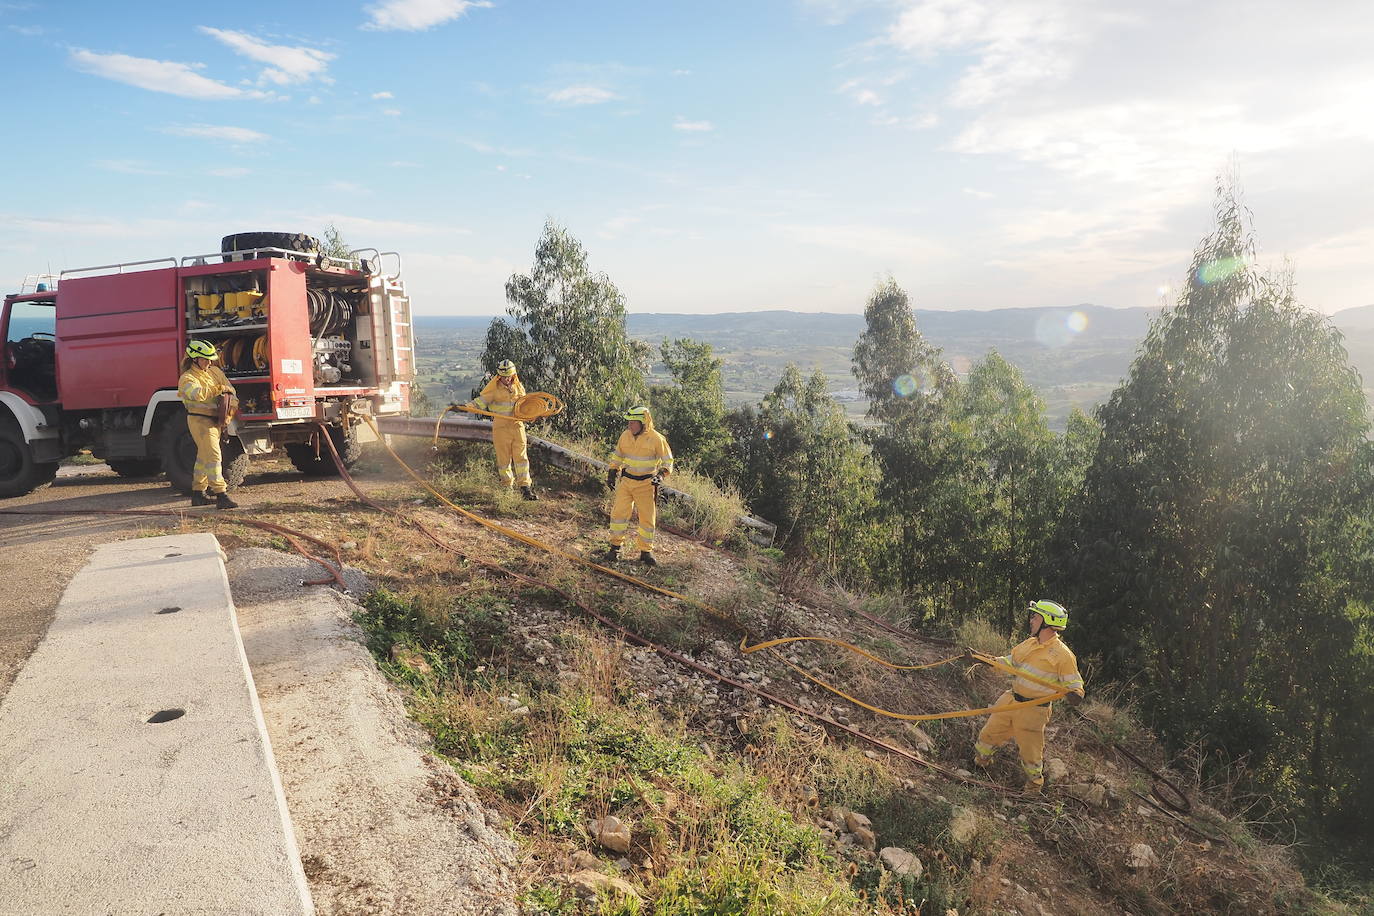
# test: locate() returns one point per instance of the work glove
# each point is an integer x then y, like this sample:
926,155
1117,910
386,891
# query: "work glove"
1072,699
611,475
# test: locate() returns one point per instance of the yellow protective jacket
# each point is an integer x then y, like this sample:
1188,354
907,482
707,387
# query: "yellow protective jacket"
643,456
499,399
1051,661
199,390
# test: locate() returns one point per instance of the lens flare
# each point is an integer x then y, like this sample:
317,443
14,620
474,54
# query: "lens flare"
1218,270
1058,329
768,434
905,386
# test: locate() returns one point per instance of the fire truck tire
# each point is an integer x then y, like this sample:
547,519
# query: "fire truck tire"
19,473
178,452
233,462
302,455
291,241
135,467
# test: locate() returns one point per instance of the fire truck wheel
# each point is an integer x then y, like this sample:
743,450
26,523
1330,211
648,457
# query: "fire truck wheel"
19,473
302,455
291,241
233,462
178,451
135,467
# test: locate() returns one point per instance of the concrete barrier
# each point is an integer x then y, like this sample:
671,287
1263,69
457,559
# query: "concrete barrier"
135,770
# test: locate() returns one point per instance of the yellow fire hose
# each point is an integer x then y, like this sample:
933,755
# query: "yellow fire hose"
730,620
529,407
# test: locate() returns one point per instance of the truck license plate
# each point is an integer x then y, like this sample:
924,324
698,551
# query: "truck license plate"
295,413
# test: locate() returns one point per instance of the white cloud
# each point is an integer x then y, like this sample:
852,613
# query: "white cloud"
285,64
127,166
383,95
878,241
172,77
681,123
1016,43
682,73
868,97
233,171
417,15
217,132
402,164
392,112
981,195
28,31
582,95
616,226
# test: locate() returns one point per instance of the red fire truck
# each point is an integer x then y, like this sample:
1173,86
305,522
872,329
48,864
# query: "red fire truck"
91,359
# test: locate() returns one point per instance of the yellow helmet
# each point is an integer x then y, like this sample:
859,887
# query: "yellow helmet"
202,349
638,413
505,368
1055,615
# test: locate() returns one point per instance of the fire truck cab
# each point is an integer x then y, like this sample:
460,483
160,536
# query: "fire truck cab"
92,360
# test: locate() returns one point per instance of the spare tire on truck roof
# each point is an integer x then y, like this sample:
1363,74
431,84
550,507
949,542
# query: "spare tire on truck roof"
291,241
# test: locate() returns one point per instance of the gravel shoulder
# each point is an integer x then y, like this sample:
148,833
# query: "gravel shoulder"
382,826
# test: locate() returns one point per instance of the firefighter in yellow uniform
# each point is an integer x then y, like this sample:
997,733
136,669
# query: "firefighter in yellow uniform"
507,434
1045,656
640,462
209,399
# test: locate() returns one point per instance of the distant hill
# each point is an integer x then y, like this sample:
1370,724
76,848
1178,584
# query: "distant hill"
1074,356
1360,318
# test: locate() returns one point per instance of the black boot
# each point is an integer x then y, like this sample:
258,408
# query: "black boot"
528,493
198,498
611,554
647,558
222,501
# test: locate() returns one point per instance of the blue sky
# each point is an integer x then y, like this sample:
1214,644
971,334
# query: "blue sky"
712,156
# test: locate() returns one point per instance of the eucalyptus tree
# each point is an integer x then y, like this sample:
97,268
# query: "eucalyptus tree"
802,465
692,409
908,386
1213,554
1014,461
567,335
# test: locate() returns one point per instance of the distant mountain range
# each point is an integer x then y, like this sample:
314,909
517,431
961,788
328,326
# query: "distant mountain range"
1074,357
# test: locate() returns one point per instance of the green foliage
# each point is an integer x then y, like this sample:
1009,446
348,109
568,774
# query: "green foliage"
1220,552
895,366
567,336
804,468
712,512
691,411
333,243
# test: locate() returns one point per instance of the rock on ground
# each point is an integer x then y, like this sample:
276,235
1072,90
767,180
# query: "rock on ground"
382,827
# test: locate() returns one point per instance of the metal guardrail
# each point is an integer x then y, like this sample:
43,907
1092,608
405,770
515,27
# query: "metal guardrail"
760,531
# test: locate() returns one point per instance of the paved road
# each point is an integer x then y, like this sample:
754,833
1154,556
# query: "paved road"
40,554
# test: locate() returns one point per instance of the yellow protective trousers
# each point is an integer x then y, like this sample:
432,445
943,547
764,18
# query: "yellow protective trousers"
639,495
512,451
1027,726
206,475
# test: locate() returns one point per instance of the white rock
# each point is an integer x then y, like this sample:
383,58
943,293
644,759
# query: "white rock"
963,825
1090,793
1141,857
1056,769
901,862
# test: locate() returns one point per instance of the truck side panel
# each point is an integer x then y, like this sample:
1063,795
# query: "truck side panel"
118,338
291,359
